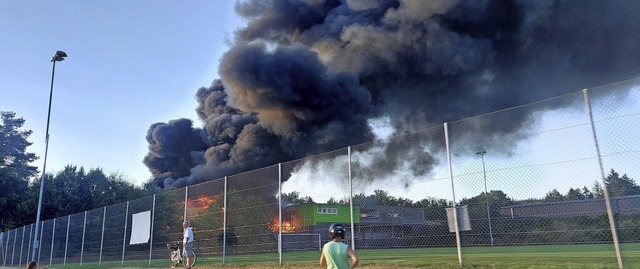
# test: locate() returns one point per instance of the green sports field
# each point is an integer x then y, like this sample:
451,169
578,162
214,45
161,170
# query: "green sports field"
542,256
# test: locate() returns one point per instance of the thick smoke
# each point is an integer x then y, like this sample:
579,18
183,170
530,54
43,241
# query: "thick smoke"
305,76
172,149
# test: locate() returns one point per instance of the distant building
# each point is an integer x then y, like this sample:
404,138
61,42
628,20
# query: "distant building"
312,216
375,226
384,226
305,226
619,205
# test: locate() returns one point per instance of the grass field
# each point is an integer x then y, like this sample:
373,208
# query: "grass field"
542,256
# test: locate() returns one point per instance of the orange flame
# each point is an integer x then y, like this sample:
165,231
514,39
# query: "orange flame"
202,202
288,226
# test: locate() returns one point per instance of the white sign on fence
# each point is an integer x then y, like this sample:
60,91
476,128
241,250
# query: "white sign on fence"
140,228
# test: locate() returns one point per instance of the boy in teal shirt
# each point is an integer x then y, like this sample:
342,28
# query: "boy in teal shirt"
335,254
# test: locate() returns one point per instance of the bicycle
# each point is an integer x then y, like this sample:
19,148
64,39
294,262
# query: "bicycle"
176,256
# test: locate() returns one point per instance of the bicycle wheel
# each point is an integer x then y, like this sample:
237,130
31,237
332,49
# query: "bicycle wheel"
194,258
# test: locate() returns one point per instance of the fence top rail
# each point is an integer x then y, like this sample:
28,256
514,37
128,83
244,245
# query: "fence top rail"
594,200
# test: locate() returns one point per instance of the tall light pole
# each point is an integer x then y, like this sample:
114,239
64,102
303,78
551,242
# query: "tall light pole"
486,194
58,57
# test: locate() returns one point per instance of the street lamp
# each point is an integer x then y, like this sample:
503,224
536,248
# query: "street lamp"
58,57
486,194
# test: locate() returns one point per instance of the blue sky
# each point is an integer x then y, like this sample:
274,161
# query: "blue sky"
130,64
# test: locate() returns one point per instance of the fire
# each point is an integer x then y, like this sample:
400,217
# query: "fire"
206,201
202,202
288,226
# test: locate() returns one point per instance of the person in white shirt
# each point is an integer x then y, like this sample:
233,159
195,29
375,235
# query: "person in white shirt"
187,242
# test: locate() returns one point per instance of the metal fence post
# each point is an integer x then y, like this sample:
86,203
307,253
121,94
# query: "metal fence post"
84,230
605,192
53,240
29,244
21,245
453,192
186,202
280,213
224,223
104,216
124,237
153,214
13,249
40,243
353,237
3,248
66,242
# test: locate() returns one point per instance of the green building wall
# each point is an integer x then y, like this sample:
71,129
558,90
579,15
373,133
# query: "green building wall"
310,216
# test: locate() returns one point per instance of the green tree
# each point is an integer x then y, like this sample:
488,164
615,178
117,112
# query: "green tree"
293,198
597,190
575,194
382,197
379,197
477,204
74,190
333,201
15,170
358,199
434,209
587,193
431,202
554,196
117,189
621,185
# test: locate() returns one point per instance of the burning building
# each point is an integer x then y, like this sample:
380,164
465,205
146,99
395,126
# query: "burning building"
374,225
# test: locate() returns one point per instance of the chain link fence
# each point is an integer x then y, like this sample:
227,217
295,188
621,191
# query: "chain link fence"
558,171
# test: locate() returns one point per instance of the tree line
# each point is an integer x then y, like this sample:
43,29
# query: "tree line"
72,190
616,185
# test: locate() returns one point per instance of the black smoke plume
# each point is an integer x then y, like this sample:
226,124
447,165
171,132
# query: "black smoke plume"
305,76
